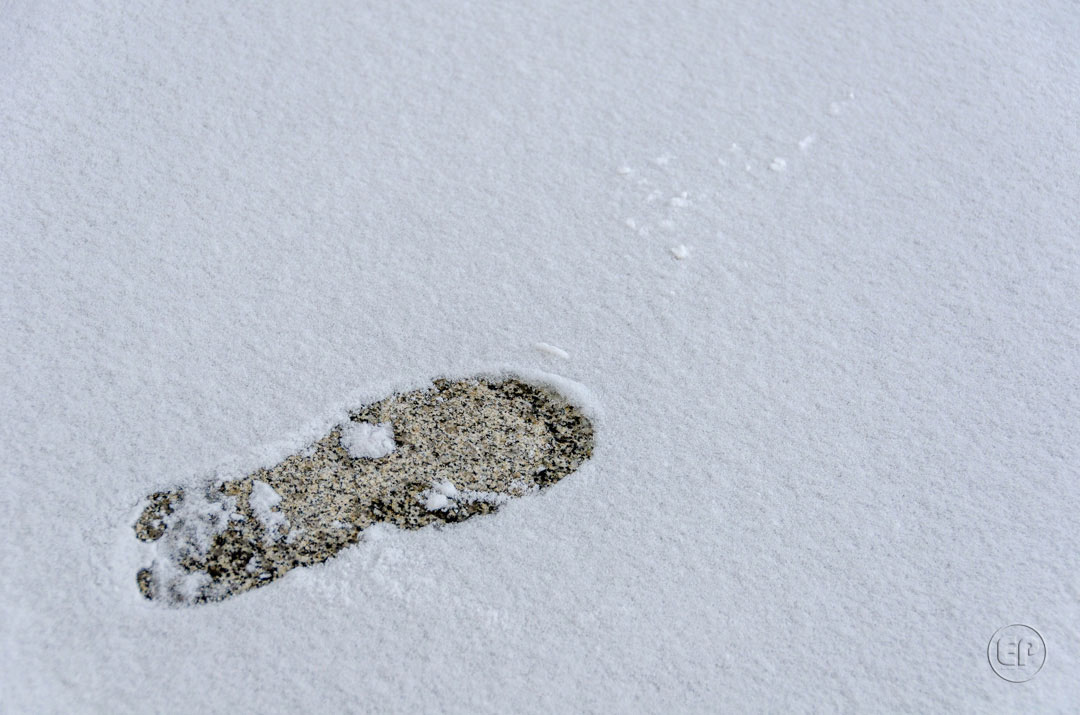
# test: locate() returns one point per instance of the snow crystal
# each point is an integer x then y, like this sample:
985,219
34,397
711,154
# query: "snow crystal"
778,164
680,252
363,440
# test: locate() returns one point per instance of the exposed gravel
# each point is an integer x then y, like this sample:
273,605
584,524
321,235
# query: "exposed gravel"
462,448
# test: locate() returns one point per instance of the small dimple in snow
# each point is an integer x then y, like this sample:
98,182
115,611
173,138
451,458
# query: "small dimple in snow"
552,350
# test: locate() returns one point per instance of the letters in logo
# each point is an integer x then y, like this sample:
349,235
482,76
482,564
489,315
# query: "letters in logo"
1016,653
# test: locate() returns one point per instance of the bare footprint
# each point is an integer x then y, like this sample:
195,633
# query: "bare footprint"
441,454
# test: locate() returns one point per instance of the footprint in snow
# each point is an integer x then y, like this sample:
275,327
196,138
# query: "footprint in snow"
440,454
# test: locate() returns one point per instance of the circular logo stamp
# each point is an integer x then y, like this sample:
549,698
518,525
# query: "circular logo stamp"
1016,653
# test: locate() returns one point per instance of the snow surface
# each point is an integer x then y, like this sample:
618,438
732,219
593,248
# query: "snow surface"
189,531
839,447
680,252
553,350
365,440
436,502
447,488
263,501
444,494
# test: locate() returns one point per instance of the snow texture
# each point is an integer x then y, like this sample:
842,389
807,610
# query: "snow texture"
839,448
553,351
365,440
189,531
445,494
436,502
447,488
263,499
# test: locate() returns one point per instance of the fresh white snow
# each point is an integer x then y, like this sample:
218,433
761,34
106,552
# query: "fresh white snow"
263,501
189,531
447,488
436,501
681,252
445,494
366,440
553,350
194,522
837,448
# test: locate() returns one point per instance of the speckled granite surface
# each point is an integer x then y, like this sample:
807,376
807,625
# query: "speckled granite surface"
461,448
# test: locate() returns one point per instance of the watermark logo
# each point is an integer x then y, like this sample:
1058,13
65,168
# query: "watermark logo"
1016,653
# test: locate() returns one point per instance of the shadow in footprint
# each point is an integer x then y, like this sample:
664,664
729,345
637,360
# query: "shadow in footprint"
441,454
